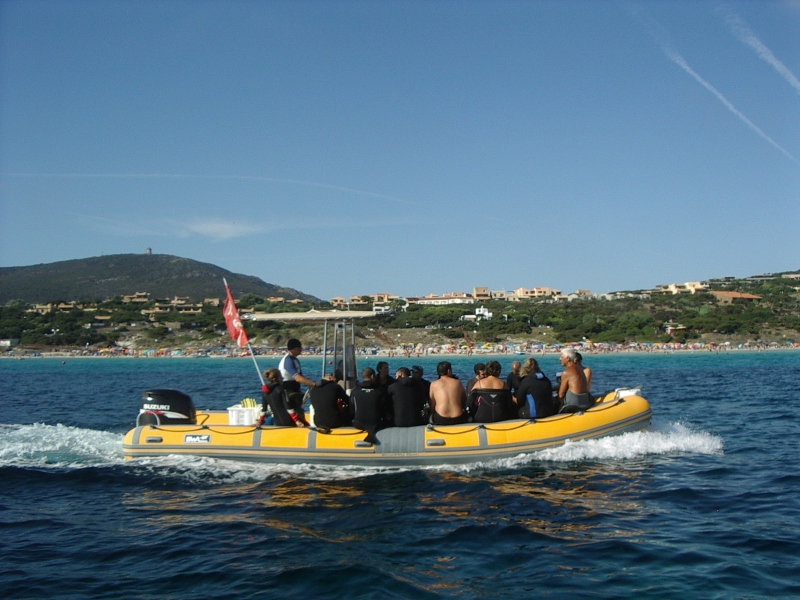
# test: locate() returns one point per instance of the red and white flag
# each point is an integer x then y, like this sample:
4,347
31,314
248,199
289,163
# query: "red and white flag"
232,320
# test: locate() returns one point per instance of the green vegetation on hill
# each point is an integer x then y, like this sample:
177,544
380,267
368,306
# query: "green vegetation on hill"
625,319
775,317
104,277
105,325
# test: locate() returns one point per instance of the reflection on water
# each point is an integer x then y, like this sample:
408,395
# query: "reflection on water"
561,502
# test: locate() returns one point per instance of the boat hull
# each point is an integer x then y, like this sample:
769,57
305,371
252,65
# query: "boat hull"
398,446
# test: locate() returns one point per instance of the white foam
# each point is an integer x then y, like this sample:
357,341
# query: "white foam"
58,446
220,471
670,438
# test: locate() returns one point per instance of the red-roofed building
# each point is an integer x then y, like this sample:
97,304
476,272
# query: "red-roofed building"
729,297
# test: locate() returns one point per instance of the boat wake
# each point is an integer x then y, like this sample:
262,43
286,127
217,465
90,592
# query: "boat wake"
666,439
60,447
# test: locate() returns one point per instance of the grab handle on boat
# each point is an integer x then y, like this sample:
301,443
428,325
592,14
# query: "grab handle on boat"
150,413
435,442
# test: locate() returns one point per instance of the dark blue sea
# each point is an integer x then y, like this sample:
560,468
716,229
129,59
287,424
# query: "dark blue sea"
705,504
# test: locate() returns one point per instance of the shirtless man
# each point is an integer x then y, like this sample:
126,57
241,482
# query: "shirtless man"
573,388
448,397
587,372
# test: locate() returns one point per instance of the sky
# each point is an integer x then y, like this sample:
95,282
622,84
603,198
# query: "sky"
409,147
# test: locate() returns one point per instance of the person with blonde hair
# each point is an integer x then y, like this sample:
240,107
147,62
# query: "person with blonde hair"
534,395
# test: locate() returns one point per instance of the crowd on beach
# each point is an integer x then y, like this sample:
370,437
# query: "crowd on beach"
407,351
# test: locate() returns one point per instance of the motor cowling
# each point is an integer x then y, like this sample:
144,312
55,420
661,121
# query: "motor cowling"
166,407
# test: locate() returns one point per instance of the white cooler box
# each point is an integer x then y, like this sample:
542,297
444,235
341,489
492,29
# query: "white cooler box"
239,415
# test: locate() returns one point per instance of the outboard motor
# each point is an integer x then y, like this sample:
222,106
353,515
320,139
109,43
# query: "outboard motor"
166,407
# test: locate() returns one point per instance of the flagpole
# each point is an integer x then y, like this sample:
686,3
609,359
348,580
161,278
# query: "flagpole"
235,330
258,369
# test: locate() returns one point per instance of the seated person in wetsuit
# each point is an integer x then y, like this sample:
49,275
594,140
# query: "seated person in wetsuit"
382,375
514,377
480,372
406,399
368,405
417,375
535,392
287,412
490,400
573,390
448,398
330,404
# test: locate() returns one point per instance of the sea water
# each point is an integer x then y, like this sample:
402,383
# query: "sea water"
702,505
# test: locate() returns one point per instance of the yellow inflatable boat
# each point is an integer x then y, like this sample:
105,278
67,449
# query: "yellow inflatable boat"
210,434
169,424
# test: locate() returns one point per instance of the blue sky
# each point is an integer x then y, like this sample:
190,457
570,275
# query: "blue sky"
408,147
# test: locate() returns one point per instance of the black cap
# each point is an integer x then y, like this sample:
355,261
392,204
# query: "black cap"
416,369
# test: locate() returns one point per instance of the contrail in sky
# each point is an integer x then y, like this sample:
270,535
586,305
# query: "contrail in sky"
662,38
679,60
741,30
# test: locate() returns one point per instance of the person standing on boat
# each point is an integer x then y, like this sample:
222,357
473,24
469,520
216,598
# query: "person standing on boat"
290,369
448,398
573,390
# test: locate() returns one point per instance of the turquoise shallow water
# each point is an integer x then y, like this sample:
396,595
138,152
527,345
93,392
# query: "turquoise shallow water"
703,505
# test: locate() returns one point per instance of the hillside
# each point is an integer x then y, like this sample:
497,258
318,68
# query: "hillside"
103,277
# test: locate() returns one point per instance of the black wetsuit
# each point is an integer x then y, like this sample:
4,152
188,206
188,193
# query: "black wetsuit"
275,397
426,394
512,381
330,404
407,401
539,388
490,406
426,387
368,407
385,385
